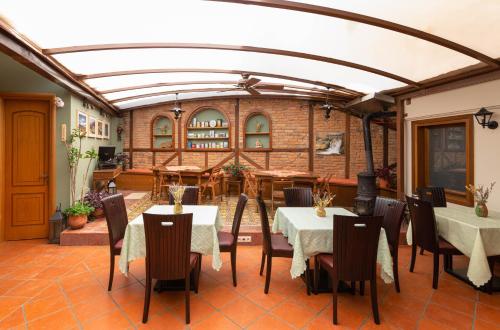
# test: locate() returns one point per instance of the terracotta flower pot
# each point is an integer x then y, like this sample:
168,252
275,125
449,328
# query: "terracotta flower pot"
383,183
98,213
77,221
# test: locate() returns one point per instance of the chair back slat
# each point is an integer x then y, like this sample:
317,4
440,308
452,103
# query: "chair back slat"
393,212
423,222
115,212
355,244
168,245
434,195
298,197
238,215
215,175
190,196
264,223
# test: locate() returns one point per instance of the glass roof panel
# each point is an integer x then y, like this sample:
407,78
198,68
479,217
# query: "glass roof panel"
103,61
234,24
467,22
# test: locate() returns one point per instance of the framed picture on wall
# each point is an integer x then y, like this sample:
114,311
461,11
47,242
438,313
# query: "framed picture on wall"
106,130
82,122
92,127
330,144
100,129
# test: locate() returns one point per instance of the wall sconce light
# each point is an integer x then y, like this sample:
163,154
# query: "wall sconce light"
177,110
483,117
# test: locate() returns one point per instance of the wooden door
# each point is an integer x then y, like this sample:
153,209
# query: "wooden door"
27,185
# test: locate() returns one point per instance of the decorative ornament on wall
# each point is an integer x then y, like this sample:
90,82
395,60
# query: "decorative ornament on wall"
59,102
119,131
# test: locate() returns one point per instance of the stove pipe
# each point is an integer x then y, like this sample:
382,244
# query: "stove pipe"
367,187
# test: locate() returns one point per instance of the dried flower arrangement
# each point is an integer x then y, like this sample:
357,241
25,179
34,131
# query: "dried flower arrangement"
481,193
177,193
321,201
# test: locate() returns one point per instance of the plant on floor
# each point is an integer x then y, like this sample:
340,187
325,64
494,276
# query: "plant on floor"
234,169
94,198
78,210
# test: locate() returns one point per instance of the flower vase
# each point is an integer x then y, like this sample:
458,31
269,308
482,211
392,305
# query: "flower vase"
177,208
481,210
320,211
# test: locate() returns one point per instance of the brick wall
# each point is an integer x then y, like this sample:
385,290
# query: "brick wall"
290,137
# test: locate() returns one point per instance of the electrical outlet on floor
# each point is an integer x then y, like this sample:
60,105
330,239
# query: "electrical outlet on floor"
244,239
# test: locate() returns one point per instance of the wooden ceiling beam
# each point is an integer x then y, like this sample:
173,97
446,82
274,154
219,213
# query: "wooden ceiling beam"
198,70
222,82
388,25
239,48
203,90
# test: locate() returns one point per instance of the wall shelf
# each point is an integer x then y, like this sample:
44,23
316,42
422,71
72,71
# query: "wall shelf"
257,131
162,133
213,143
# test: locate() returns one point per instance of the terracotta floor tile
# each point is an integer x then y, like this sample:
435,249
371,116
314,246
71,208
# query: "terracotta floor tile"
448,317
29,288
159,322
266,301
242,311
94,307
14,319
219,296
6,285
314,302
457,303
488,313
216,321
63,319
135,310
84,293
43,306
269,322
111,320
294,314
199,310
10,304
128,294
484,325
429,324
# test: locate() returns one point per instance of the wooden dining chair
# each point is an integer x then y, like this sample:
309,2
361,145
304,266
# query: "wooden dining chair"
190,196
214,181
166,179
354,258
434,195
117,220
228,241
277,186
274,246
425,235
168,254
250,184
393,212
298,197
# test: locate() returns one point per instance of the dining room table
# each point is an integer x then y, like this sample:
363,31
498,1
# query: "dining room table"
184,171
304,177
206,223
476,237
310,235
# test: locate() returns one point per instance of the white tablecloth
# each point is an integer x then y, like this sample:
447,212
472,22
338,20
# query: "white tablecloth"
311,235
475,237
204,240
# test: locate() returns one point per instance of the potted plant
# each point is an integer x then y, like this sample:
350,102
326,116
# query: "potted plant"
94,198
78,211
234,170
386,176
481,195
78,214
122,159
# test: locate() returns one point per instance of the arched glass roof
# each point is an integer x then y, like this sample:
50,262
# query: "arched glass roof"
205,45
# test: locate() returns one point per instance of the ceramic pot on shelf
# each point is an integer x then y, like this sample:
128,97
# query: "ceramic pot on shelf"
77,221
481,210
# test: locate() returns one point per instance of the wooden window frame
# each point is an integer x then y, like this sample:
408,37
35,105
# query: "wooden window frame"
419,138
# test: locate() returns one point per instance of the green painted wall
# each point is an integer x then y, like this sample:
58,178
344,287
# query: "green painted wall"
16,78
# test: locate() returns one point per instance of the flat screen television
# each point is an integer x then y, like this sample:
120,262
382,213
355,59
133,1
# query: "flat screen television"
106,153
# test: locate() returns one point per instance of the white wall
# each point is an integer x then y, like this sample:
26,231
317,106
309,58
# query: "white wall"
461,101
